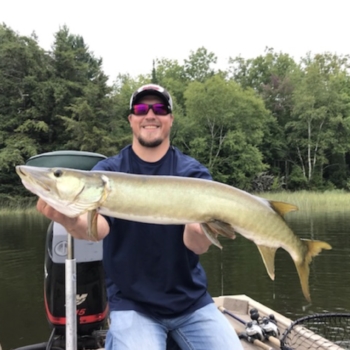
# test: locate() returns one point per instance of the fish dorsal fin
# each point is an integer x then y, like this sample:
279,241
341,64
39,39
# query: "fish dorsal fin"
282,208
268,257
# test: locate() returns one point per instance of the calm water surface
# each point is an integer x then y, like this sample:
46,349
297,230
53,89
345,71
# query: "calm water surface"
237,269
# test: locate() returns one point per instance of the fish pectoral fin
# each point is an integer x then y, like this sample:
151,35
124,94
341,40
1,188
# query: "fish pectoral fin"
211,235
282,208
222,228
214,228
92,224
268,257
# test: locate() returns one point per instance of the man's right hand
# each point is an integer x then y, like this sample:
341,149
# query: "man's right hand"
55,215
78,226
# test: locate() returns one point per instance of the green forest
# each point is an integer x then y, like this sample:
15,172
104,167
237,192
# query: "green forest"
265,124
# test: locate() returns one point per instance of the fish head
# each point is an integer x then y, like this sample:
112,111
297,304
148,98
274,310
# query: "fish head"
71,192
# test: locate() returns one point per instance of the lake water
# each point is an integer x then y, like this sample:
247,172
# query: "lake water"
237,269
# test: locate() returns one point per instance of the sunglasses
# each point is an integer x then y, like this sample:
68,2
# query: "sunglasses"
157,108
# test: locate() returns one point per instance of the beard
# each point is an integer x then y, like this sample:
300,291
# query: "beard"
150,144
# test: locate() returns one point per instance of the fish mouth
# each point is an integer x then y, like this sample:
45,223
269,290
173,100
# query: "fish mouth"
31,180
20,171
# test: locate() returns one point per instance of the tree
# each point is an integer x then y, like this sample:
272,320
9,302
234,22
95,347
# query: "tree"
228,126
269,76
320,116
82,107
24,69
198,66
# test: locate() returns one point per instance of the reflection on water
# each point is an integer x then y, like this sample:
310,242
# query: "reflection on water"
244,272
237,269
22,316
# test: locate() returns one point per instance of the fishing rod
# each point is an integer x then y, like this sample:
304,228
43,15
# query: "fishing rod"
253,333
256,342
253,328
268,326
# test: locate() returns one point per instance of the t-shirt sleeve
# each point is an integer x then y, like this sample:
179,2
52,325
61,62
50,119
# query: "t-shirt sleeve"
109,164
200,171
190,167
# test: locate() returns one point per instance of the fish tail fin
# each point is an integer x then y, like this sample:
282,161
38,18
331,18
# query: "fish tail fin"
313,248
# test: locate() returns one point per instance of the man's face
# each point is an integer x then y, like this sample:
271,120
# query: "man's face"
151,130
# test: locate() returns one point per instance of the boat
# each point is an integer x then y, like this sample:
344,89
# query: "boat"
279,332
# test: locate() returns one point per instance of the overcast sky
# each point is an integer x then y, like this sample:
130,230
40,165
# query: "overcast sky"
129,34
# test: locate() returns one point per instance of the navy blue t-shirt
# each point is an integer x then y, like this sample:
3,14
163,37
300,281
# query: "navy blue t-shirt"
148,267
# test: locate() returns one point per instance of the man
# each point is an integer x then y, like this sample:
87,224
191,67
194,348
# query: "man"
155,284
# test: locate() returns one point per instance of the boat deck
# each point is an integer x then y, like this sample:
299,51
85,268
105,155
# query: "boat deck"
240,306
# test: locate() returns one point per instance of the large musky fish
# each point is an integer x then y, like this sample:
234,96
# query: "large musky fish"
221,209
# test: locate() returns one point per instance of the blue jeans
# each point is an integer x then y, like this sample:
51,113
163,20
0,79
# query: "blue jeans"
205,329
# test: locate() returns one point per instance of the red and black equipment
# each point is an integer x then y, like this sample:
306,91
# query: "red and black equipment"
91,299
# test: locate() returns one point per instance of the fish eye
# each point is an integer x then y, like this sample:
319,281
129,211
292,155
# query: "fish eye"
58,173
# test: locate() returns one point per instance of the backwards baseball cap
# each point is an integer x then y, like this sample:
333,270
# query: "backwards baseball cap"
152,89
